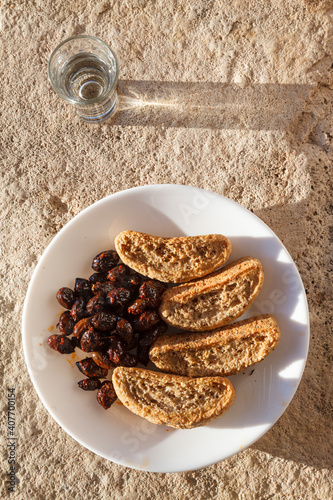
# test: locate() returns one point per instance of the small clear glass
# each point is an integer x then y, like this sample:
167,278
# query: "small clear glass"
84,71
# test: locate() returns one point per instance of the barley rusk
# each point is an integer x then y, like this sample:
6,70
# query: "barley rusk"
222,352
213,301
172,260
175,401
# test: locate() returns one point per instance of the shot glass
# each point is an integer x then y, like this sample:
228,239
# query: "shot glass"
84,71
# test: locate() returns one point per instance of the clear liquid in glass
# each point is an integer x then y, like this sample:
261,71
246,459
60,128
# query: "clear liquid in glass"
83,70
85,78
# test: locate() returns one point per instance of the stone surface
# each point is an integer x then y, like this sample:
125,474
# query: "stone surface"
232,96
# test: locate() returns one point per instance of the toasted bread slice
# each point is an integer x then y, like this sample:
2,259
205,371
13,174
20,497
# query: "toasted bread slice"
172,260
214,301
222,352
180,402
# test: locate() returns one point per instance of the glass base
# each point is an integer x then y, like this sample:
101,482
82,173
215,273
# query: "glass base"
98,113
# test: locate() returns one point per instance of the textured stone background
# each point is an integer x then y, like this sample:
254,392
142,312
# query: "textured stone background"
252,83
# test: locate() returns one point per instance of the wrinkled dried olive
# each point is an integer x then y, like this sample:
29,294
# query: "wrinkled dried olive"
60,343
102,288
119,311
117,349
89,368
152,292
162,327
148,338
138,306
129,360
81,326
79,310
96,304
89,384
90,340
118,297
143,355
106,341
98,278
125,277
104,321
105,261
146,320
134,342
75,342
159,285
131,281
65,297
124,330
66,323
82,288
110,314
118,274
102,359
106,395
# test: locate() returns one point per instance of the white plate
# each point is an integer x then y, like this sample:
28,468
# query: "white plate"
262,395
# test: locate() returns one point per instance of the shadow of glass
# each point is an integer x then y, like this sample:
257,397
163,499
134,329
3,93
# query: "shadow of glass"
208,105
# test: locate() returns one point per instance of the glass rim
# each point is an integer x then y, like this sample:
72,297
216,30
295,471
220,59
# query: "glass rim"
89,101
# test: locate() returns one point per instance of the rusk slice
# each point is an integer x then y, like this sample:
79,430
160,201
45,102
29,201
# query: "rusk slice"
216,300
180,402
221,352
172,260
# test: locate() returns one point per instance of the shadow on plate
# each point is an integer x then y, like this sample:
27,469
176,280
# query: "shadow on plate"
152,221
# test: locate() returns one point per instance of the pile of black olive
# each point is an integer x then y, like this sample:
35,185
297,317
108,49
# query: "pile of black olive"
113,316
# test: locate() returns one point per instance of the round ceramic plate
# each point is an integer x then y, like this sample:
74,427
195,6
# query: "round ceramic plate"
263,391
